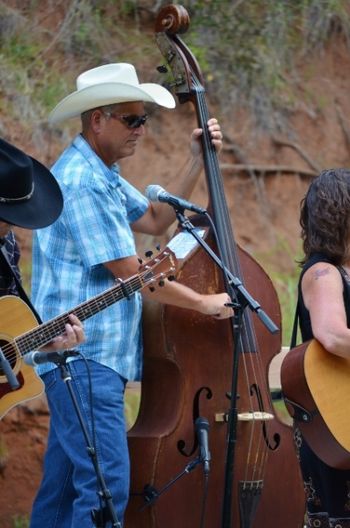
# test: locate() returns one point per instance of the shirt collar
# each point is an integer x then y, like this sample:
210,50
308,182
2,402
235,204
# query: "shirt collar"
112,173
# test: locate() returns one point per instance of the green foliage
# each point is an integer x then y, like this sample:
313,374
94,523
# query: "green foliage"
285,282
38,61
128,7
286,285
20,49
322,19
50,91
250,48
26,273
20,521
281,411
246,50
132,405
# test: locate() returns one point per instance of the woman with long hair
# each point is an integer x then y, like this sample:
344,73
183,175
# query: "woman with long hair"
324,314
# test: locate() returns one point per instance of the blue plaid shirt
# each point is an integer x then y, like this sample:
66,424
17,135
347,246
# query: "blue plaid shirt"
68,257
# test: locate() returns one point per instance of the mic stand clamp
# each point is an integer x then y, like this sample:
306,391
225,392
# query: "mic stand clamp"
108,513
151,494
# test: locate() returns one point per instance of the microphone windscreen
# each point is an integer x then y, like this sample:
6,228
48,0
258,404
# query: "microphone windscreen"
152,192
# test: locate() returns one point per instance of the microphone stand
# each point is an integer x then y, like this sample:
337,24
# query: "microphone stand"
6,368
243,299
98,516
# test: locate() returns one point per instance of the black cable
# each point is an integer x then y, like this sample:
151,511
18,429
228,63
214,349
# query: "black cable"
204,500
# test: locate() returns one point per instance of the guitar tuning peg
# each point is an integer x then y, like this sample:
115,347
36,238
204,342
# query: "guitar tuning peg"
162,69
149,253
171,278
161,283
158,247
151,289
140,260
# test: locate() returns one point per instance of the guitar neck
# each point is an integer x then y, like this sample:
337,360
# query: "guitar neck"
44,333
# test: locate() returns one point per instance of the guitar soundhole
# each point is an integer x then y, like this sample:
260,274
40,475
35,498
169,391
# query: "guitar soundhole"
9,352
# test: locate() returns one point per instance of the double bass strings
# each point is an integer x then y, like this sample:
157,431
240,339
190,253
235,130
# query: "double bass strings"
257,452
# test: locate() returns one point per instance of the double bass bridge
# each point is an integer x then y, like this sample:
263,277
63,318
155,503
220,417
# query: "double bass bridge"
259,416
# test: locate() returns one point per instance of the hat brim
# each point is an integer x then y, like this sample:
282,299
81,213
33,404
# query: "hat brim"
109,93
44,206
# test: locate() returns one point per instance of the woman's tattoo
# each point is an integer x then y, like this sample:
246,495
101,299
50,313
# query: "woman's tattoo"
321,273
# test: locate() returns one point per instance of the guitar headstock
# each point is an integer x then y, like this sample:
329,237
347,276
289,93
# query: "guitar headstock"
159,268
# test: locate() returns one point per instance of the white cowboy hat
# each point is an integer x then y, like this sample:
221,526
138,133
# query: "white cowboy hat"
109,84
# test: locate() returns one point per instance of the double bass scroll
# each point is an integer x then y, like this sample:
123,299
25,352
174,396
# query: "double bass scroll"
189,360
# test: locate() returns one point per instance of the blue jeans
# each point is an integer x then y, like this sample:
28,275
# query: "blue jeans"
68,491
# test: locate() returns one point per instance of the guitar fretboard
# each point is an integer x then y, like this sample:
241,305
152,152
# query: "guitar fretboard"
43,334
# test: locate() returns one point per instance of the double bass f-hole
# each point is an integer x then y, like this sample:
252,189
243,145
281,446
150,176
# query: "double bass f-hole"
267,416
181,445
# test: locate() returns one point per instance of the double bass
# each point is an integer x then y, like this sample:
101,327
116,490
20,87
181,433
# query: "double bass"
195,371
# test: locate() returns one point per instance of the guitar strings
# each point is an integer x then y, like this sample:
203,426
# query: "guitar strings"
44,333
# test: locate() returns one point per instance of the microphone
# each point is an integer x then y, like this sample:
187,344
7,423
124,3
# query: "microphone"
38,358
202,428
156,193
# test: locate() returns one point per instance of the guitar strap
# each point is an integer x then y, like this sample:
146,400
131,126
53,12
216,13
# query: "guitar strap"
22,294
346,282
293,340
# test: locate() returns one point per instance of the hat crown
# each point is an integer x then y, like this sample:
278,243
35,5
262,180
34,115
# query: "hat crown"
108,73
16,173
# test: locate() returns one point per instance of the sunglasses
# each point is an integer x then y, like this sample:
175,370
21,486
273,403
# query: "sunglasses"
130,120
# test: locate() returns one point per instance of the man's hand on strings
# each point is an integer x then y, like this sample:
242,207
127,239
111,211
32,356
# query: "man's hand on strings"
215,133
217,306
73,336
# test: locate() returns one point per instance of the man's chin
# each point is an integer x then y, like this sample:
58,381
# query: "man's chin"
130,150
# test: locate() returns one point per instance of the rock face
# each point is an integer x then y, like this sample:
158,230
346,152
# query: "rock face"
23,440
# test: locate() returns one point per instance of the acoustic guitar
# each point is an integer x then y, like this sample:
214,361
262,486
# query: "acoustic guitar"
316,389
21,334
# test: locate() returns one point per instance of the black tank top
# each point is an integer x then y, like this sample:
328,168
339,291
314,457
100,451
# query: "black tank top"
303,312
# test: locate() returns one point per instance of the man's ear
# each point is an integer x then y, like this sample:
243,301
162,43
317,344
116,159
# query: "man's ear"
96,120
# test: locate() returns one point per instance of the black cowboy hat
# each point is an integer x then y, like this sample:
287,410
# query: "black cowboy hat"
30,196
